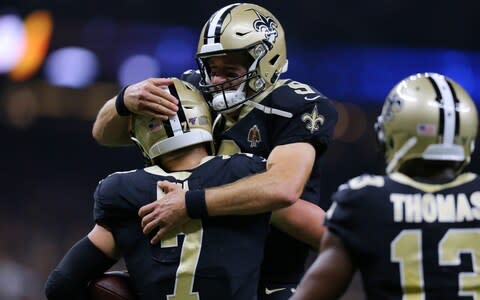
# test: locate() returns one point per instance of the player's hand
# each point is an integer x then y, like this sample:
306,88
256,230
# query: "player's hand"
150,98
166,213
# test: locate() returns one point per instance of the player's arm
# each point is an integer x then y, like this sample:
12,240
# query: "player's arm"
87,259
288,169
302,220
145,98
329,276
109,128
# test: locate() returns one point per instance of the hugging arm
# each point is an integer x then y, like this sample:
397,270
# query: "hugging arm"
288,169
147,98
303,220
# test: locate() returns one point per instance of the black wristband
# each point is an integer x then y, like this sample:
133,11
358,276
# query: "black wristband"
122,110
195,204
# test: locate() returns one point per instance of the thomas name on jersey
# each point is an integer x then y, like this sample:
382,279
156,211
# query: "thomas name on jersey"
451,208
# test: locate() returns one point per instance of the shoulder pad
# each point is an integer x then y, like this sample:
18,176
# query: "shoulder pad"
363,181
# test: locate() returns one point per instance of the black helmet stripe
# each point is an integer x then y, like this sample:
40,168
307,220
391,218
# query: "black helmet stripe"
173,126
457,113
180,112
438,98
445,98
214,27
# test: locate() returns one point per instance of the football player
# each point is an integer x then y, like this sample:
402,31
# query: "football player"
414,233
205,258
241,56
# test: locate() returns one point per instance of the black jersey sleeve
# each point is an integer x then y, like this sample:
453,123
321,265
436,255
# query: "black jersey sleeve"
245,164
352,212
226,169
314,115
111,200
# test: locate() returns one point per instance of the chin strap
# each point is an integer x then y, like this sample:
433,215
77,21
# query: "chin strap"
401,153
269,110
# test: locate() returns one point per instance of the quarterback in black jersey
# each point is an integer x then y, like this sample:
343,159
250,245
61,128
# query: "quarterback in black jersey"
414,233
241,55
206,258
259,133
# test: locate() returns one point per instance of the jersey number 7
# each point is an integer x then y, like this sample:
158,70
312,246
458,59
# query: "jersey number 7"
190,253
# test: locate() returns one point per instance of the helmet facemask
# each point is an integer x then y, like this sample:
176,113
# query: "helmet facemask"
230,94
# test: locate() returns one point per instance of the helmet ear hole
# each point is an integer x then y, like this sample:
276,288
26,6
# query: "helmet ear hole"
274,59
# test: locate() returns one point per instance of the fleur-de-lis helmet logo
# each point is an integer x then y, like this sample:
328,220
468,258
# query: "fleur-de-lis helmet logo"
393,105
266,25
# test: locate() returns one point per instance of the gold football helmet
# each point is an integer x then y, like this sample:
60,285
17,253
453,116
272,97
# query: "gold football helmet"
191,125
242,28
427,116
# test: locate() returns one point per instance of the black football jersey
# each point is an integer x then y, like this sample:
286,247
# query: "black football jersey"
210,258
313,120
411,240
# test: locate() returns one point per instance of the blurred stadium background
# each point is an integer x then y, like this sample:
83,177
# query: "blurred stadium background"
61,60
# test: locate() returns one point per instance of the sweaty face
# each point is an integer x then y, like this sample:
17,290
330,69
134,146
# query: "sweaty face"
228,69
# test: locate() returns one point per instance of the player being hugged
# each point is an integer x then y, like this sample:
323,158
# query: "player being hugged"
204,258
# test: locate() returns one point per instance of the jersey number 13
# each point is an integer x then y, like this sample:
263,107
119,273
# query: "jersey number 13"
406,250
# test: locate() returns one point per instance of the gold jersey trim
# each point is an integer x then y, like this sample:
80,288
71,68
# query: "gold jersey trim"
432,188
182,175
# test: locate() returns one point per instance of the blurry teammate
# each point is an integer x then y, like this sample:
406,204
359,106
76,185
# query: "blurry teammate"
241,56
206,258
414,233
